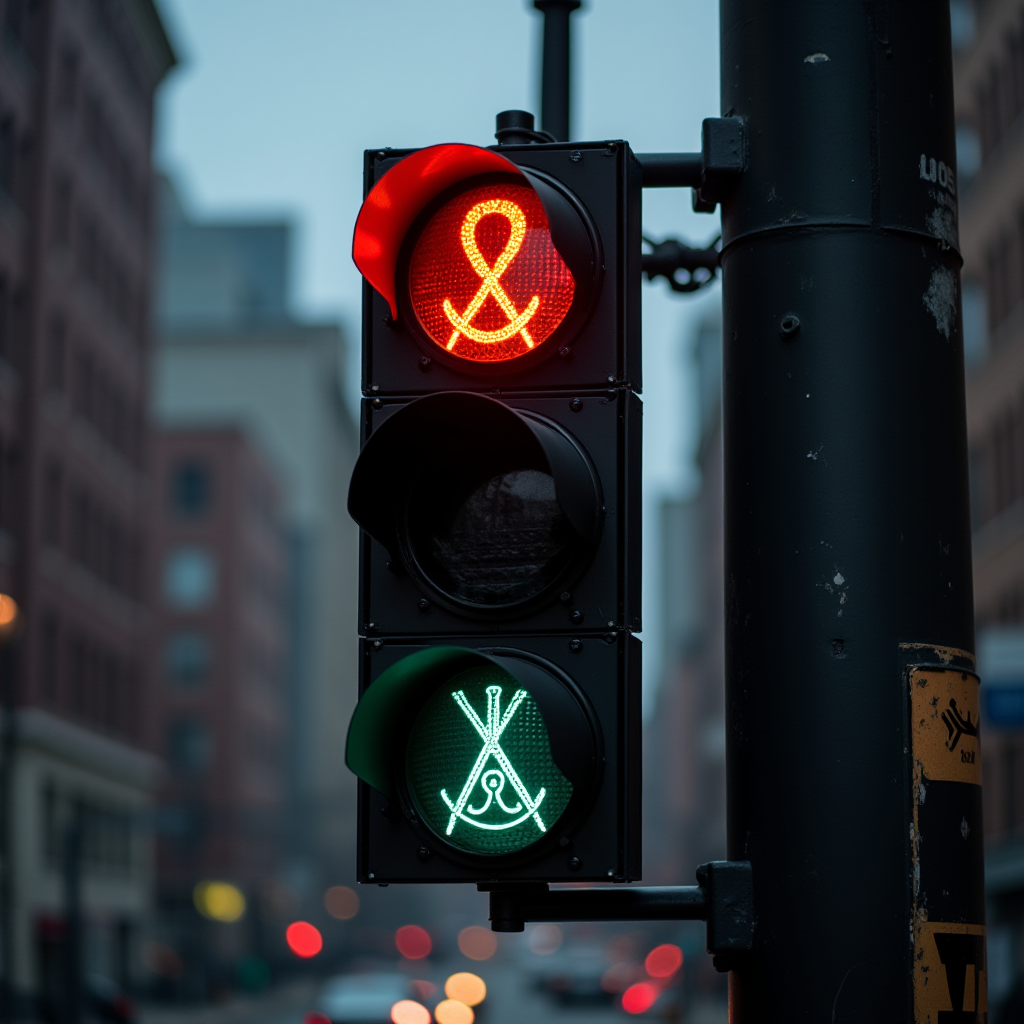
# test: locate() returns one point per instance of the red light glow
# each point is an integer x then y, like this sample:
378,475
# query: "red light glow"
639,998
303,939
664,961
316,1017
413,942
486,281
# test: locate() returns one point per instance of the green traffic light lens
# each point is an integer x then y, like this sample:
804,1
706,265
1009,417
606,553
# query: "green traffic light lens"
479,768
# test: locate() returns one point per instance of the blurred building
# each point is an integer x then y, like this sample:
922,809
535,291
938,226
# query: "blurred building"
221,556
232,356
989,75
77,81
684,800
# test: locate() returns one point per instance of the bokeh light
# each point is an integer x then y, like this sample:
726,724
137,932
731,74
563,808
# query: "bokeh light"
478,943
423,989
664,961
219,901
619,977
408,1011
413,942
341,902
8,613
468,988
639,998
303,939
316,1017
544,939
451,1011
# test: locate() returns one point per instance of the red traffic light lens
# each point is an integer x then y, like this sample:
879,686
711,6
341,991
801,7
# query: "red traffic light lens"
485,280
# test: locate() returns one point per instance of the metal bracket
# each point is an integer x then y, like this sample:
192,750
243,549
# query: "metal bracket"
667,258
712,173
724,898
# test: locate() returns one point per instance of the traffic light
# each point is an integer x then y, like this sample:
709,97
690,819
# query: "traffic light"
498,492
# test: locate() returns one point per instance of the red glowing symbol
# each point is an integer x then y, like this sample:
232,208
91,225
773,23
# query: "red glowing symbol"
488,253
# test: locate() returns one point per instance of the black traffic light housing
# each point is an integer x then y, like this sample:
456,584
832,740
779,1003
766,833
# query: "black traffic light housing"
500,506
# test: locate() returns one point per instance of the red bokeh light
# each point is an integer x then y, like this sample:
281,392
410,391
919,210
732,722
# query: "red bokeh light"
316,1017
664,961
485,279
303,939
639,998
413,942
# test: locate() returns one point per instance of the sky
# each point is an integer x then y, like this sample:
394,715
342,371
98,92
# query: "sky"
274,101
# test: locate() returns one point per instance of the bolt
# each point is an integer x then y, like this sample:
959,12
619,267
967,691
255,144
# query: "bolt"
424,853
565,351
377,403
371,875
789,325
575,616
575,646
375,387
576,404
610,638
377,644
575,156
565,597
564,841
610,378
371,627
423,604
426,363
575,863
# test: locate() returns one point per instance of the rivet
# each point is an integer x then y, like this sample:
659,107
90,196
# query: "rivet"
575,616
576,404
789,325
377,403
575,156
565,597
575,864
424,853
565,351
375,387
426,363
575,646
377,644
423,604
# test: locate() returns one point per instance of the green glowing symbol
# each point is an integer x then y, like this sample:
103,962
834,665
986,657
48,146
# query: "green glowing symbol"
493,781
479,767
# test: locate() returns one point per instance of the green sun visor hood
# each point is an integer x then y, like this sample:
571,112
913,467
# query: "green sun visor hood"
467,429
380,726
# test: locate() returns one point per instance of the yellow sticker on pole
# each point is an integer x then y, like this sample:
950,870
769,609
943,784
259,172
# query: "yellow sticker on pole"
944,707
950,974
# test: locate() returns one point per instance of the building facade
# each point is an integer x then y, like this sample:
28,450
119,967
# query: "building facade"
232,355
77,81
989,78
221,561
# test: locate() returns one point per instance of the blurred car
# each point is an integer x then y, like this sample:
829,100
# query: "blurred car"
360,998
574,973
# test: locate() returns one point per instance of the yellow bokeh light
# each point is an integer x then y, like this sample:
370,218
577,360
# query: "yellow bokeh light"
341,902
478,943
466,988
451,1011
408,1011
219,901
8,613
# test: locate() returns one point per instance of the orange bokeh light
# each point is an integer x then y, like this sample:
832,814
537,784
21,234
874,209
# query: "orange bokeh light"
303,939
341,902
639,998
664,961
8,612
413,942
466,987
485,279
451,1011
478,943
408,1011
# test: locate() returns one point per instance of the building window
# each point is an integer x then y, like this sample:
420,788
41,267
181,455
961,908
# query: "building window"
189,746
189,578
187,659
190,489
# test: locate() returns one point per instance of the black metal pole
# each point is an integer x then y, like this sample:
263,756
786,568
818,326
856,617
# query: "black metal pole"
8,752
73,842
848,542
555,67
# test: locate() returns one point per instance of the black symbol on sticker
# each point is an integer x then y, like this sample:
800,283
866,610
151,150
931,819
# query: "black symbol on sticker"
955,723
958,952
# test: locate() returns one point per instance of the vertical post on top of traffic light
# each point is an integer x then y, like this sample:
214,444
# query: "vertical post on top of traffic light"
497,732
852,705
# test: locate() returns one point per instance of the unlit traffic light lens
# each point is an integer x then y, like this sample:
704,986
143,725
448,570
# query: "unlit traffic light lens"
491,539
479,767
485,280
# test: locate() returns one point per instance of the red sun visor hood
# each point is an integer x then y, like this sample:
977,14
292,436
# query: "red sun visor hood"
394,203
